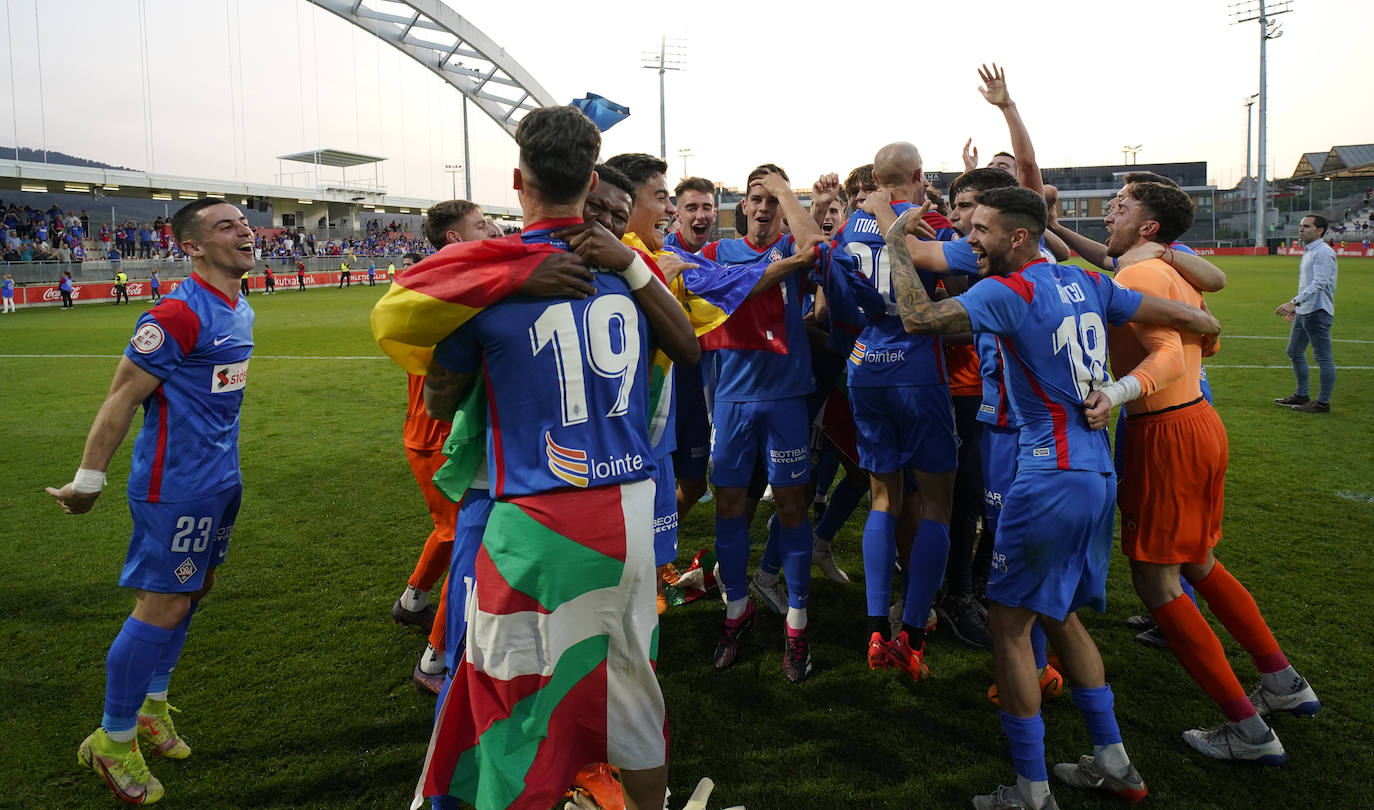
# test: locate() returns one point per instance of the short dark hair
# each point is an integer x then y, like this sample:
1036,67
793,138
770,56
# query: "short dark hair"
981,180
617,178
765,168
415,258
638,167
442,216
937,203
1023,207
1148,177
741,223
695,184
860,179
1168,205
186,221
559,146
1005,154
1318,220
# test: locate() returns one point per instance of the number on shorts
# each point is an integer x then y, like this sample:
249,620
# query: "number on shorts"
187,525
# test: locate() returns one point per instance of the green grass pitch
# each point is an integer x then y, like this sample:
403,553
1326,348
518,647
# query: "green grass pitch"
295,684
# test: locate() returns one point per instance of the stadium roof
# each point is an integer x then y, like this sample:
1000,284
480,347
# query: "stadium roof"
332,157
1338,161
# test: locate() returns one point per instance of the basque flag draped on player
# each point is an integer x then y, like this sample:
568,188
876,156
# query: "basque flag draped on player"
427,302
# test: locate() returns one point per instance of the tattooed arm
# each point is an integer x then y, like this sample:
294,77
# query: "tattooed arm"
919,314
445,391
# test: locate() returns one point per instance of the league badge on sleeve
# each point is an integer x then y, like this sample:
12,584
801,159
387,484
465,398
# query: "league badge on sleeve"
148,339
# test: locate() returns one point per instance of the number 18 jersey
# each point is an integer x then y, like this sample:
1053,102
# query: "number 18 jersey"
1054,352
567,386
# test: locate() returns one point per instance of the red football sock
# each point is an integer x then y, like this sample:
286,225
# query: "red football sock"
1239,614
1191,639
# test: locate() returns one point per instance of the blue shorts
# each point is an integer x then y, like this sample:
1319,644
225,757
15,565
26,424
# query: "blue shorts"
693,427
174,544
462,571
1054,541
665,511
775,431
1000,446
905,427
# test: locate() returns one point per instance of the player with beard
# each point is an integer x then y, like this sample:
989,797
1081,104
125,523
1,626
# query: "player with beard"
1173,454
1055,532
763,376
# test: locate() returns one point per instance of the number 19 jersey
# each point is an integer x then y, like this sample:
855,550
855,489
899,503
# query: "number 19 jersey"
567,387
1054,352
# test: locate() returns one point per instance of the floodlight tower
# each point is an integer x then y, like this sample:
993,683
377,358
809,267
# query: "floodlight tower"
1249,139
1264,12
672,55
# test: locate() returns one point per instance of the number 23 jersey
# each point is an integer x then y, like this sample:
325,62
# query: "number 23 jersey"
567,388
1054,352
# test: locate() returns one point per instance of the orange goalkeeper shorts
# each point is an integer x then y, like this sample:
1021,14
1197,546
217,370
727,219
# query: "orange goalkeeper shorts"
1173,484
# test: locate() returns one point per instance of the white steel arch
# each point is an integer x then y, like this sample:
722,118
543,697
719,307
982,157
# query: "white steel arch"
437,37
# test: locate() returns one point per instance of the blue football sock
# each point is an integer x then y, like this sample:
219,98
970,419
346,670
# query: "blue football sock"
1038,642
880,554
128,669
1096,705
771,561
732,552
1187,588
1027,738
795,542
162,676
929,553
843,501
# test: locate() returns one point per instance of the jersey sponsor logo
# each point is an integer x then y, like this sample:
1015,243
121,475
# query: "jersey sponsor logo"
230,377
986,408
883,357
1041,452
579,469
220,340
993,499
148,339
999,562
185,571
665,523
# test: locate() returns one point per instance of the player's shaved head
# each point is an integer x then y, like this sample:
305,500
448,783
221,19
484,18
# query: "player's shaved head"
896,164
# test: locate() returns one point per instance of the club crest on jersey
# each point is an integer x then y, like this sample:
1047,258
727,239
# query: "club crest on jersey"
230,377
148,339
185,571
580,470
775,255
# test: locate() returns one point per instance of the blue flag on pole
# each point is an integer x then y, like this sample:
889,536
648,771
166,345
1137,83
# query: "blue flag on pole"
603,112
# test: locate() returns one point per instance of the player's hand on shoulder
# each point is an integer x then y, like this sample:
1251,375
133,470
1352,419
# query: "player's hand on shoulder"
597,246
71,501
1098,409
672,266
559,275
1141,252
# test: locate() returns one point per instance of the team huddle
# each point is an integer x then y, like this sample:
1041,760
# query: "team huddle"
573,389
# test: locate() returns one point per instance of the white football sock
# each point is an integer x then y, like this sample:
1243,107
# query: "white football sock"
1112,758
734,608
414,599
796,618
432,661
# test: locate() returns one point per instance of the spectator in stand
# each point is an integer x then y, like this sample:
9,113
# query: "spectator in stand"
78,253
40,233
114,256
85,220
104,240
65,288
7,295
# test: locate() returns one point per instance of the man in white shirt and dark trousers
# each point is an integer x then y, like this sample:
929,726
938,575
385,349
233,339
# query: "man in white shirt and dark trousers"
1310,312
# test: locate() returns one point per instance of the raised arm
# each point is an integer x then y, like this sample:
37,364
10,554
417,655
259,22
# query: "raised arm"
825,191
131,386
919,314
994,91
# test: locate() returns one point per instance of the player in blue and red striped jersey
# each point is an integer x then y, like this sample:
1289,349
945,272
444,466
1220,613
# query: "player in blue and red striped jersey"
763,374
187,365
899,392
1056,523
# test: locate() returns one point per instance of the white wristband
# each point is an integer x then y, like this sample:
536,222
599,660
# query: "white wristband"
88,481
1123,390
638,274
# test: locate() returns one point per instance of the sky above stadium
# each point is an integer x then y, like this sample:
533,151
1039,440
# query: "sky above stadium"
234,83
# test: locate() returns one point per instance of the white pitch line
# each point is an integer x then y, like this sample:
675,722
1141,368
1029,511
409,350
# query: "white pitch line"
1210,366
1225,336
